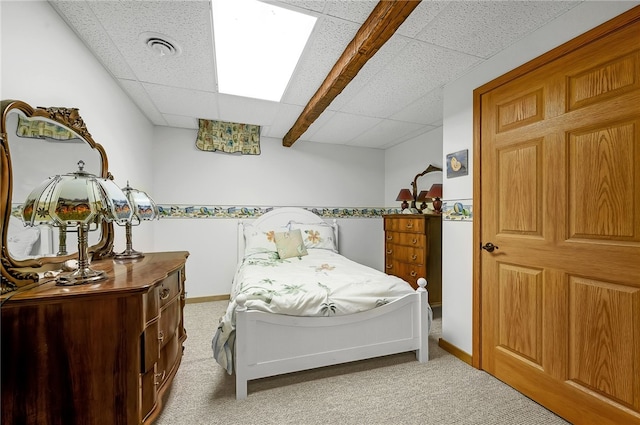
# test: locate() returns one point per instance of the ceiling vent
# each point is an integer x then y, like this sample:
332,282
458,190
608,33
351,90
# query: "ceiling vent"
160,44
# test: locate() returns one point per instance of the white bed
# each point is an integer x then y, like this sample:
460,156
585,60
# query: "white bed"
266,343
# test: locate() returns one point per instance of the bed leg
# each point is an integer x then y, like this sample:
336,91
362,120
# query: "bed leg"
241,388
241,349
422,354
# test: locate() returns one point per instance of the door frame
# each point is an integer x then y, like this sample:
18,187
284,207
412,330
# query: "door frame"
600,31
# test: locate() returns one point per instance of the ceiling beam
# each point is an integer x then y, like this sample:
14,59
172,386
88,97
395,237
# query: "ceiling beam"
381,24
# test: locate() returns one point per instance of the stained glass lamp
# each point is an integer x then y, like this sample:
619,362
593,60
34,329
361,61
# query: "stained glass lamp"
77,200
143,209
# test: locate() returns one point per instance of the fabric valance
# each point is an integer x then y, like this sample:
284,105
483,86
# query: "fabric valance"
228,137
42,129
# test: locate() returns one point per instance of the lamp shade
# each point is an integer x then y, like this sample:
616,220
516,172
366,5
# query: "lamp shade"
435,191
423,196
404,196
75,199
143,209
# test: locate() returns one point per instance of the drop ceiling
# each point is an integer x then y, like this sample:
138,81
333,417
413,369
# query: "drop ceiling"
395,97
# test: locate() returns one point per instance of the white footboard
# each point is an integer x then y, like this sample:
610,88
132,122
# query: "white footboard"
270,344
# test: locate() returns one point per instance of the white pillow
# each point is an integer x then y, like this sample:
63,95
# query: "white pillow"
22,240
316,235
257,240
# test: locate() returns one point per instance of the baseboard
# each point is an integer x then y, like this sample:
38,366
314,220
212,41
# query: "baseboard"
194,300
452,349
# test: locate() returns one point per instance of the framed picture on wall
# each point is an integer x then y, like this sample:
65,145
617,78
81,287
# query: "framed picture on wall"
457,164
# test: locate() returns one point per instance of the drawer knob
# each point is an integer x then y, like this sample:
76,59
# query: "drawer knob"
160,378
389,237
161,335
414,241
413,257
410,225
389,266
413,273
390,251
164,293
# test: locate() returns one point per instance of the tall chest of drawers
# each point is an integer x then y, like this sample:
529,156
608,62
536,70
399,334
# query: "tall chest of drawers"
102,353
413,249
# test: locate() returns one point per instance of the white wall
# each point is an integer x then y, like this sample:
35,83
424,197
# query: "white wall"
45,64
458,134
306,174
406,160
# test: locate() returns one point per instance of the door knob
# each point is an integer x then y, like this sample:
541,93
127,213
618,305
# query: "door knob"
489,247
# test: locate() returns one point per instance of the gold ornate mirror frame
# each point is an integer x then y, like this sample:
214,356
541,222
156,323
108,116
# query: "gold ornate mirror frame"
15,273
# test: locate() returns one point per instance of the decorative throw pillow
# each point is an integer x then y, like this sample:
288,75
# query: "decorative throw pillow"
316,235
289,244
259,240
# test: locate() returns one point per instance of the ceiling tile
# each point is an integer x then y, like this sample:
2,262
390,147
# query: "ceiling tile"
81,18
181,121
421,17
236,109
352,10
426,110
342,128
483,28
139,95
284,118
424,67
385,134
187,23
180,101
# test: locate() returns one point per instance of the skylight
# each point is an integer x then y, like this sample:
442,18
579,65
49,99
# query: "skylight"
257,47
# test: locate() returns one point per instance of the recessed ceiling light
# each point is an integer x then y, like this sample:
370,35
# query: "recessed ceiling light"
257,46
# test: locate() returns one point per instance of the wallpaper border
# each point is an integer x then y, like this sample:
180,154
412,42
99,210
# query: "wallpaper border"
177,211
171,211
457,210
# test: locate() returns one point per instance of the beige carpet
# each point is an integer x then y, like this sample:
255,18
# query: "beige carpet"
389,390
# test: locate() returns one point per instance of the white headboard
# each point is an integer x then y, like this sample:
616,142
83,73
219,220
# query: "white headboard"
280,217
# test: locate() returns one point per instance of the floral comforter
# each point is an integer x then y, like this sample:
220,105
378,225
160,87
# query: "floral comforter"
322,283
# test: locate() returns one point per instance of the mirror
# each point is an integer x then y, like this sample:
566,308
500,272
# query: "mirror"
37,144
414,185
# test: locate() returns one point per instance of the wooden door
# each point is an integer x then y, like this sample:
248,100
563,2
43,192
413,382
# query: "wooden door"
560,198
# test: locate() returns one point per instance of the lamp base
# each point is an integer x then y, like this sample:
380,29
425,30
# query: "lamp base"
437,205
129,254
81,277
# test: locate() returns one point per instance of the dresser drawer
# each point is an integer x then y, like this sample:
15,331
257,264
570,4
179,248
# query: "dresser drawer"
150,346
407,271
408,224
151,302
169,357
148,393
408,239
409,254
169,287
169,321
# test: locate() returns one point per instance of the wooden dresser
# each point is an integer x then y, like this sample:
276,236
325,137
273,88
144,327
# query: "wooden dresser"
413,249
103,353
